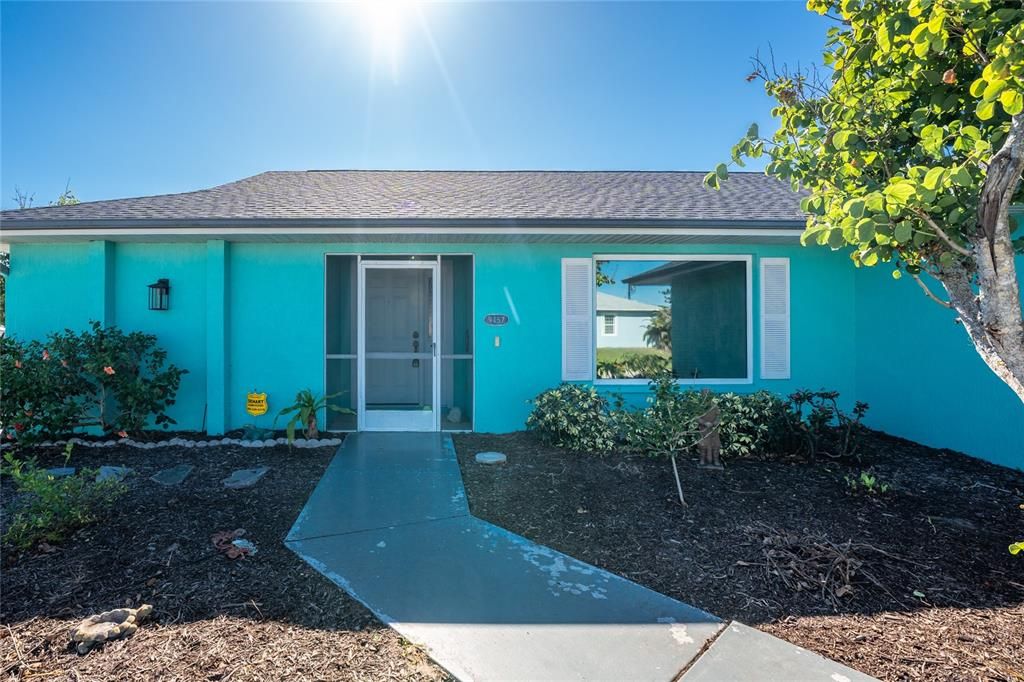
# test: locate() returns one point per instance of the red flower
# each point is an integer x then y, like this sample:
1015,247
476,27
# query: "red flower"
46,354
19,427
108,369
123,434
17,363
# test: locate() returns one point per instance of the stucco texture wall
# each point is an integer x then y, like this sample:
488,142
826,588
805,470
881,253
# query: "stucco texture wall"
922,377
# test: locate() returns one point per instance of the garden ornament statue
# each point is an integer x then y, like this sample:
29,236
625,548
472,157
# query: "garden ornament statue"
709,447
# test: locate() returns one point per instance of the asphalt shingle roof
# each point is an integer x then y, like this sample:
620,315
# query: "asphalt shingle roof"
346,195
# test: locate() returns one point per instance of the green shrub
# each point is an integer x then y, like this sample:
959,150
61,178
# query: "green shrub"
573,417
822,427
755,424
103,378
51,508
807,423
668,425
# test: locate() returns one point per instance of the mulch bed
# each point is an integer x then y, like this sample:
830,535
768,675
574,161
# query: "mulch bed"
916,583
267,616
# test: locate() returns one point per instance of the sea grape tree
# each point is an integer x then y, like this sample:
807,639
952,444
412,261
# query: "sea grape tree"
910,150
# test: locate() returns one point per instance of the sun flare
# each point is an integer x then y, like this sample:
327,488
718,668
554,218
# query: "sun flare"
386,22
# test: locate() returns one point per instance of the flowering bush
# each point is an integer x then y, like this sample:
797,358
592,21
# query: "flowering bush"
103,378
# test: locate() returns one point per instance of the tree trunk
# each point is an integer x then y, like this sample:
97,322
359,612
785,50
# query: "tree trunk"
992,316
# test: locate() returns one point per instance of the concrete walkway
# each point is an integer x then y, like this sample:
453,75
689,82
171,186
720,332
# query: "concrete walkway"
389,524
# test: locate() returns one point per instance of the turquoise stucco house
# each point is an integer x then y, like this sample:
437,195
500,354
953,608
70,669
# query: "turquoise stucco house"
444,300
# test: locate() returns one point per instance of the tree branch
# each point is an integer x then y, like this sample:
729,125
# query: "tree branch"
942,234
929,294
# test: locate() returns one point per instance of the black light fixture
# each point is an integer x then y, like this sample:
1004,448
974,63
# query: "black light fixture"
160,294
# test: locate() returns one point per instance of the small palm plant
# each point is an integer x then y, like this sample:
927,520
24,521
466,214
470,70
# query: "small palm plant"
304,410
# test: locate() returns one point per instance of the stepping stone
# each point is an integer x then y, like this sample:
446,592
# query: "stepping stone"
173,476
60,472
109,473
245,478
491,458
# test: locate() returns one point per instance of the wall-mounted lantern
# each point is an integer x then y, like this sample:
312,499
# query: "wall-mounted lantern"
160,294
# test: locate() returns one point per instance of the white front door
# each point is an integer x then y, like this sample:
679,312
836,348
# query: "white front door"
398,367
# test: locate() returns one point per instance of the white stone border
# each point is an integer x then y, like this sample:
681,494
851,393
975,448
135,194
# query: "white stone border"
186,443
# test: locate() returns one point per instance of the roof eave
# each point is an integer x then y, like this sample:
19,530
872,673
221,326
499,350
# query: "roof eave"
378,225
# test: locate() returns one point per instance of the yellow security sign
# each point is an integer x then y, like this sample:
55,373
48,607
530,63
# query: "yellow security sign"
256,404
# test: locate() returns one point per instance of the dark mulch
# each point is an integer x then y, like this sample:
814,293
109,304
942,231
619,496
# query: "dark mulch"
933,592
268,616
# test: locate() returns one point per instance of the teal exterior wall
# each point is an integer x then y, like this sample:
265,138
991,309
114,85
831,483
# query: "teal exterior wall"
250,315
55,286
58,286
924,380
181,329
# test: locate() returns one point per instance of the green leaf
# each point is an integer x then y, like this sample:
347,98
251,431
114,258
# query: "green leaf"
865,230
1012,101
962,177
933,178
903,232
986,110
977,87
836,239
711,180
874,202
290,429
843,139
900,192
971,132
896,274
855,207
722,171
752,132
993,89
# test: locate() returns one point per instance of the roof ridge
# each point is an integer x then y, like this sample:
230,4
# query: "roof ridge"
510,170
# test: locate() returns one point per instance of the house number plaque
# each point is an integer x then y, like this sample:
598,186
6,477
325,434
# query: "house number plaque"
496,320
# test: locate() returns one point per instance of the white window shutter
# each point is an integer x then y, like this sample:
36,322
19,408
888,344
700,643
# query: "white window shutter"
775,318
577,319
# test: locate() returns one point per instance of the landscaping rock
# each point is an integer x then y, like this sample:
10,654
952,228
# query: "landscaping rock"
491,458
269,443
173,476
60,472
108,625
245,478
111,473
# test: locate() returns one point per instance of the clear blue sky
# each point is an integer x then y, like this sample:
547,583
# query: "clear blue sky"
127,99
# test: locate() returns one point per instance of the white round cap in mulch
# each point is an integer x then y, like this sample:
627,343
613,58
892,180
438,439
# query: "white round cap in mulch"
491,458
